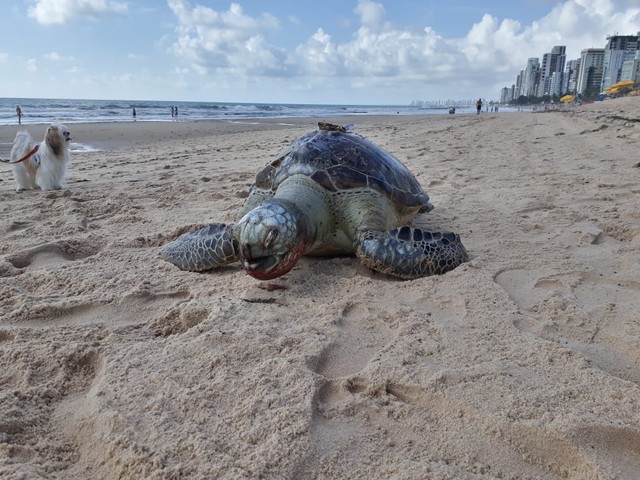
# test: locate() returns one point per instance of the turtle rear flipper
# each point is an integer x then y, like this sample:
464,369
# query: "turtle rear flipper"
408,252
204,249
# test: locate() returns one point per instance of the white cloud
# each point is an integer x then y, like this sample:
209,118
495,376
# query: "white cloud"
378,51
32,65
585,23
504,46
59,12
372,14
229,41
4,56
378,54
56,57
320,53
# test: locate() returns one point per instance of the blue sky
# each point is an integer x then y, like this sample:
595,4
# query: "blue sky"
290,51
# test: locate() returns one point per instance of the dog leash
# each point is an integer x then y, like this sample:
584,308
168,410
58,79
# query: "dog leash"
26,157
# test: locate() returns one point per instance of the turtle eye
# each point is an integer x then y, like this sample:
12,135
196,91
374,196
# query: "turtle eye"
271,236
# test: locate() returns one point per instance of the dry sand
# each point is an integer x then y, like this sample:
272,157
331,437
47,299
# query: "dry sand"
522,363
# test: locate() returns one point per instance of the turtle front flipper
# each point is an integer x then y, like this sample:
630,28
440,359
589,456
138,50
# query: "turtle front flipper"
408,252
203,249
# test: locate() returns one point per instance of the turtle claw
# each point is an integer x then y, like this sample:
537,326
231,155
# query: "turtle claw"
204,249
408,252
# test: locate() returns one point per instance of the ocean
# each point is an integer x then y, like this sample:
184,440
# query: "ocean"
43,111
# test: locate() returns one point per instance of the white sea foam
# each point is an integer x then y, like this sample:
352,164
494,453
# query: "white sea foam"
43,111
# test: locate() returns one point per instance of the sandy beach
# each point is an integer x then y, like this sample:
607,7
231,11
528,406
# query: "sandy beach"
523,363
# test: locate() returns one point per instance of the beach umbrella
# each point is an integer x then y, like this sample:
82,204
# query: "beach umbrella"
567,99
624,84
620,86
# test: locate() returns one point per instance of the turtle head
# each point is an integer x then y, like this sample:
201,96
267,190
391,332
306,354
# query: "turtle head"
271,238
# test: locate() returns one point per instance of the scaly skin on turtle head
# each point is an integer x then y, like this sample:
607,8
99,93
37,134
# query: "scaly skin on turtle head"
271,239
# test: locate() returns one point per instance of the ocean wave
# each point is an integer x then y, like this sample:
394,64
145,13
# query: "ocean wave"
41,111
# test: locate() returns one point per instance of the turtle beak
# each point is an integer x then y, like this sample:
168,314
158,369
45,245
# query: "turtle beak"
263,267
268,267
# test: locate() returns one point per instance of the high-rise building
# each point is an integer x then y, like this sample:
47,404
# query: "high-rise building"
555,84
618,50
530,77
586,76
590,75
570,78
518,90
552,63
631,69
505,95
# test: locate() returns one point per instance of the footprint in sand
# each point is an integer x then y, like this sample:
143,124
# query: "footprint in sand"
133,309
63,381
362,332
53,253
348,412
179,319
72,416
615,448
83,368
589,313
6,336
17,225
334,427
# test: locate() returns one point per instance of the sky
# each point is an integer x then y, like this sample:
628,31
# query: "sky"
357,52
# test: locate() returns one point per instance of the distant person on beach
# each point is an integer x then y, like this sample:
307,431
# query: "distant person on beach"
19,113
134,114
175,110
479,106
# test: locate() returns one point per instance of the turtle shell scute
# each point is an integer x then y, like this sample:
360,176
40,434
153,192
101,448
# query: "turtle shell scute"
341,161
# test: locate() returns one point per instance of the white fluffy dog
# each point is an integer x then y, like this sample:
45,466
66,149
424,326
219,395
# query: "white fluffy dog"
43,164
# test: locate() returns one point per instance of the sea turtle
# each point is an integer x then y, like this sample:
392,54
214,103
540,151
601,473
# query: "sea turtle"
330,192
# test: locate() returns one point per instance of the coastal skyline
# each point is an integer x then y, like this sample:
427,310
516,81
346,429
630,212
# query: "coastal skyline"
358,52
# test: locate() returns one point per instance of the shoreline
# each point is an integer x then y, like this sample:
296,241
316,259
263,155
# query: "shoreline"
105,136
80,111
